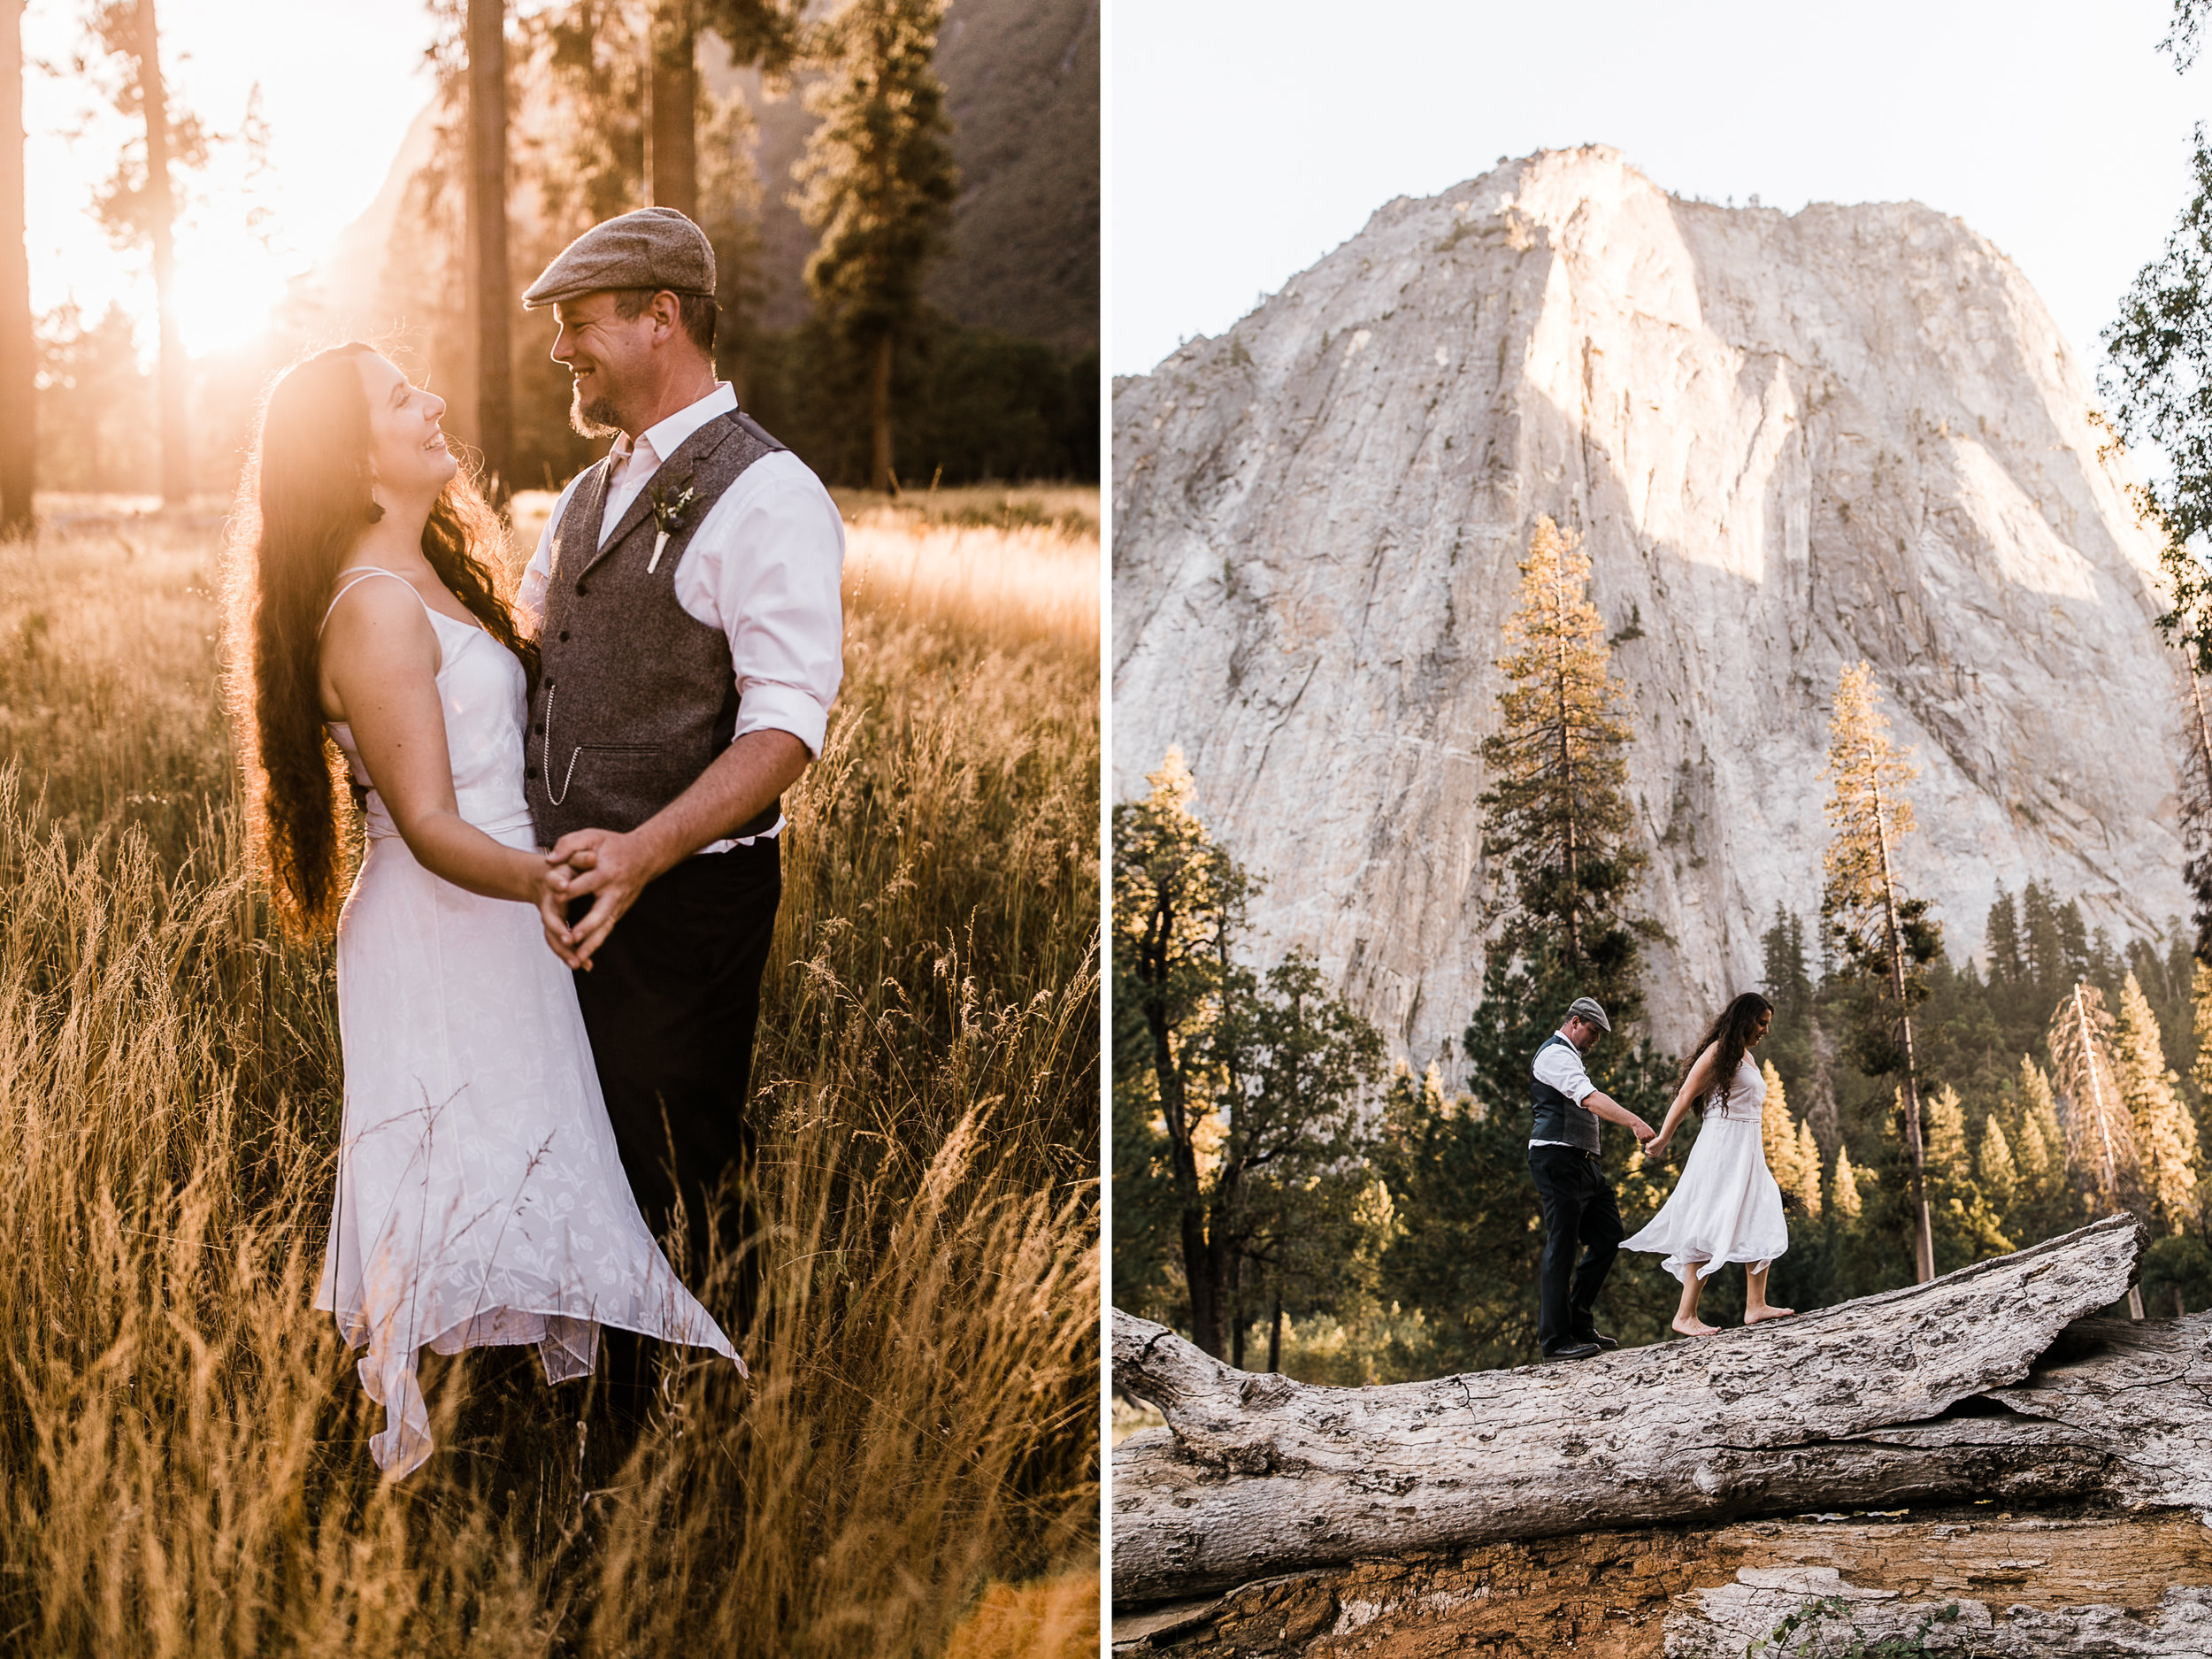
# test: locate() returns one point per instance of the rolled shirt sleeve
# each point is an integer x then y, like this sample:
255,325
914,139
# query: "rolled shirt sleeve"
765,568
1559,1065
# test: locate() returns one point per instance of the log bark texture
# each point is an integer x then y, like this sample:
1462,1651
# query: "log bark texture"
1257,1475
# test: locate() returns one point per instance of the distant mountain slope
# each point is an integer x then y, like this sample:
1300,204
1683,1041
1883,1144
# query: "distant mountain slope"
1789,442
1021,84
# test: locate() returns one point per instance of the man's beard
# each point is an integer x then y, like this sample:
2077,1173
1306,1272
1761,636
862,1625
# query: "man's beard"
598,419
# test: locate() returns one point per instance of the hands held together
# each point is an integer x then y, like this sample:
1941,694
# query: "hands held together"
602,864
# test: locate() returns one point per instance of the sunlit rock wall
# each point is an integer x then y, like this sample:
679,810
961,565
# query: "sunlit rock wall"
1788,441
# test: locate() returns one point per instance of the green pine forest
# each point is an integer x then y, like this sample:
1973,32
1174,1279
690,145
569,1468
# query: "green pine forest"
1293,1204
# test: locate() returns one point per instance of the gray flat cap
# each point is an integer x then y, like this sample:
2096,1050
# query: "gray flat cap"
1588,1009
653,248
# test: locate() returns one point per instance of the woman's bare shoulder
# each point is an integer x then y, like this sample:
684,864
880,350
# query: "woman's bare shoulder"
379,626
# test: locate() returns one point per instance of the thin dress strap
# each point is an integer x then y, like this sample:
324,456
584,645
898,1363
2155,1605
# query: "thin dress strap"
367,571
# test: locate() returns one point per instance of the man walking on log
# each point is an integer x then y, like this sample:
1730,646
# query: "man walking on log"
1578,1203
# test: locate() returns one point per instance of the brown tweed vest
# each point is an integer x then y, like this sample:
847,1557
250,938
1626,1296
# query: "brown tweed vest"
635,697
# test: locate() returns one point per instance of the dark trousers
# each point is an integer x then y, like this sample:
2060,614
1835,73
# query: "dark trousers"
671,1003
1580,1209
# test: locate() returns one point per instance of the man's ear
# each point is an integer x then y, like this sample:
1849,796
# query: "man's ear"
668,311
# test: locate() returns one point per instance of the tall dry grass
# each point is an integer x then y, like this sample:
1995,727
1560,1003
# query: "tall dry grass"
183,1462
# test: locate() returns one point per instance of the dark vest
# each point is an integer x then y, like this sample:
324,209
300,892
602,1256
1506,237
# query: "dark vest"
635,697
1557,1115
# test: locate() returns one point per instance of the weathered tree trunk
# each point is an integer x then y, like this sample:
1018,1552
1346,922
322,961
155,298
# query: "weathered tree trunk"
1260,1475
18,396
671,136
487,239
161,208
2076,1583
882,477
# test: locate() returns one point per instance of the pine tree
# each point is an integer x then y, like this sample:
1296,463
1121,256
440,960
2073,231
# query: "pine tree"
1883,936
2165,1132
1777,1133
760,33
879,183
2002,938
1946,1131
2033,1163
2196,805
1557,812
18,347
2201,1005
493,300
2101,1139
2001,1177
1795,1171
139,204
1179,905
2101,1144
1971,1227
1844,1189
1809,1167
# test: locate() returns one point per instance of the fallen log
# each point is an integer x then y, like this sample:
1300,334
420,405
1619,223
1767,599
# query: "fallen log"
2079,1583
1257,1475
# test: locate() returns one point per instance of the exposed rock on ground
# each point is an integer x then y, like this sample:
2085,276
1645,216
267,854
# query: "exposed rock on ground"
1789,442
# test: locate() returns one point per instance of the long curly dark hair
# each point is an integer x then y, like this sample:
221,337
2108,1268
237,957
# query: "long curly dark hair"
1732,1030
303,501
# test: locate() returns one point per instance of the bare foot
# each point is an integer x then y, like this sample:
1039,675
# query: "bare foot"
1696,1327
1753,1316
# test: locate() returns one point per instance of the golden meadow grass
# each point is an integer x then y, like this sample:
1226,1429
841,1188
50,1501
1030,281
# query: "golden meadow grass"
913,1469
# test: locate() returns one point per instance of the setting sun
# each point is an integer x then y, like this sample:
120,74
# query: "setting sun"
337,85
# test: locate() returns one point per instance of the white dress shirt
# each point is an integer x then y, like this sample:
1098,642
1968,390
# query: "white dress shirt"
765,567
1560,1065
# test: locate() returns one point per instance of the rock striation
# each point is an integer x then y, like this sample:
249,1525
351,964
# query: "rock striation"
1789,442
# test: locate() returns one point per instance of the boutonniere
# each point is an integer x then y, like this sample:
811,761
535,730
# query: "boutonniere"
668,513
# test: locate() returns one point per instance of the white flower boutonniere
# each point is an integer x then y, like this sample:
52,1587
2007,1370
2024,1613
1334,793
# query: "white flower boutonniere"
668,513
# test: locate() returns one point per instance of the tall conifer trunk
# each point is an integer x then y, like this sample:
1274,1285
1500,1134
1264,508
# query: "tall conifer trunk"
879,415
1923,1230
18,397
161,208
672,133
487,239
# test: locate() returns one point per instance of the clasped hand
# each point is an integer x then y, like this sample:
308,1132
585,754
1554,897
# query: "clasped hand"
603,865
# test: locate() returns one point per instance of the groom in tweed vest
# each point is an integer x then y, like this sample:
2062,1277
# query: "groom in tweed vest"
690,630
1565,1160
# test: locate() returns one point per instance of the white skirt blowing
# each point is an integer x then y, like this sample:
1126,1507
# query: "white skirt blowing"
1727,1207
481,1198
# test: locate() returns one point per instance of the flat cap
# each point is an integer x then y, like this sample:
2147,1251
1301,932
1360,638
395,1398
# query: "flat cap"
1588,1009
654,247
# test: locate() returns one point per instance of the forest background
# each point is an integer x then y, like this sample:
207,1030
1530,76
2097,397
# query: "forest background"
740,113
1300,1207
1940,1088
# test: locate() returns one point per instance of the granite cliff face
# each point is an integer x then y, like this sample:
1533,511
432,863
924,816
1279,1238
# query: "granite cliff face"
1788,442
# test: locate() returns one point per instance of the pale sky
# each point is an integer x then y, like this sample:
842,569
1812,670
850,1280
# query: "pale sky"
339,82
1248,139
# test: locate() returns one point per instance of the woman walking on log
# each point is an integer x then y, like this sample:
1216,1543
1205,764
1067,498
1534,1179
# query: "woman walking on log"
1727,1207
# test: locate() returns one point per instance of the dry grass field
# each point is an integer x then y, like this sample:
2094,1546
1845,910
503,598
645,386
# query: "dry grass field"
913,1467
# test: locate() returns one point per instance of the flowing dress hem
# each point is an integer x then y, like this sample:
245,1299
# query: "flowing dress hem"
358,1332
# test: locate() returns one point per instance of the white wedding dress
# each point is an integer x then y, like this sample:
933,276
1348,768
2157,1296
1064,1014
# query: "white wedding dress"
1726,1207
481,1197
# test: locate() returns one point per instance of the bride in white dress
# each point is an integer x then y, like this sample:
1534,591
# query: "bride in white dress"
1727,1207
480,1199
